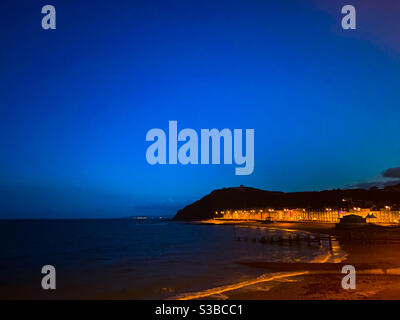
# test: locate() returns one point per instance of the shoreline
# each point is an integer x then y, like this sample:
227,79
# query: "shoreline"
377,272
313,227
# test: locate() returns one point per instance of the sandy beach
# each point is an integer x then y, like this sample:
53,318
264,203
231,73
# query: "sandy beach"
377,272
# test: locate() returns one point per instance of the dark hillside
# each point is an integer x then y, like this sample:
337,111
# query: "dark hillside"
244,197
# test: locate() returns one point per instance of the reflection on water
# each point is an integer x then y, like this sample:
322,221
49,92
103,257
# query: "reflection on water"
136,259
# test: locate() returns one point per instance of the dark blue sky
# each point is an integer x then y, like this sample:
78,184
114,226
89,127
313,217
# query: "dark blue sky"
76,102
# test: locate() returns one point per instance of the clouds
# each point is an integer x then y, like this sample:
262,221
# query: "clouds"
379,184
391,173
387,178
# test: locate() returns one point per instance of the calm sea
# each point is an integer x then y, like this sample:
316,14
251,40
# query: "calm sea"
131,259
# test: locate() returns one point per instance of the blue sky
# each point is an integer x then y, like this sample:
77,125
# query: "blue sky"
76,102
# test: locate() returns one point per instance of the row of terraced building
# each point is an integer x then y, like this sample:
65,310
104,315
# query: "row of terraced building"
385,216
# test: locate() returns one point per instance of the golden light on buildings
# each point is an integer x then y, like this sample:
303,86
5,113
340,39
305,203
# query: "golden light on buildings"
328,215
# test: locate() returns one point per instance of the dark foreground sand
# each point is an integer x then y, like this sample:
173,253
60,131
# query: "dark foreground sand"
377,273
321,286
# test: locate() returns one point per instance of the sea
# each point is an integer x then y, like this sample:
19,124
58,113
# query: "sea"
153,258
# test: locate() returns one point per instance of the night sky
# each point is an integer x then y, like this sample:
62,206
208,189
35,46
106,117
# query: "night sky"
76,102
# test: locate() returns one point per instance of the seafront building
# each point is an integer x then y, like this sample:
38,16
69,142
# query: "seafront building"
386,216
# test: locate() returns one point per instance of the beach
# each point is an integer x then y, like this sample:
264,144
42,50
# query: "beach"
377,272
160,259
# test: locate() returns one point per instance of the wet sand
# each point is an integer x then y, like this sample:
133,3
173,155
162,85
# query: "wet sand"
377,272
320,286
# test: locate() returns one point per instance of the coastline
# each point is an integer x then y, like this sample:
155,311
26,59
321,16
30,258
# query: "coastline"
377,277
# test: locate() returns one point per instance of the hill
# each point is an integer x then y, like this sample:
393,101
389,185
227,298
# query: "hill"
245,197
